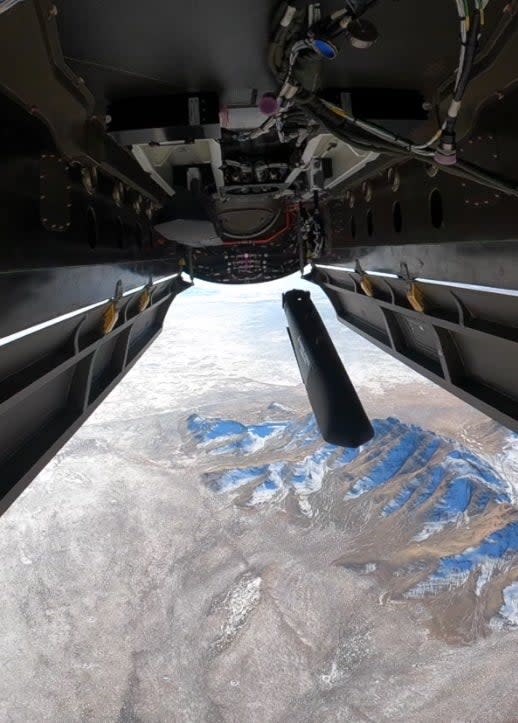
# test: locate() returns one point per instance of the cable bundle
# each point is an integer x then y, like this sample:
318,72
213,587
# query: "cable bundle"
285,53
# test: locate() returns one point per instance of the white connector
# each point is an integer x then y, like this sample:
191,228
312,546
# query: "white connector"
288,91
288,16
339,14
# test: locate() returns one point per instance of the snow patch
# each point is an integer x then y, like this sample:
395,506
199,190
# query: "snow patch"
240,602
305,506
435,584
487,569
446,493
509,610
509,461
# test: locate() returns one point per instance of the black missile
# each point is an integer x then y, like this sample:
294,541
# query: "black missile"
338,410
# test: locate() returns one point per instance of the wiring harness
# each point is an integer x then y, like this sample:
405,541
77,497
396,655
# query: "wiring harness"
300,43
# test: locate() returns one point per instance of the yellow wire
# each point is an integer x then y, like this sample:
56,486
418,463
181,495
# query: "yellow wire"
342,114
338,111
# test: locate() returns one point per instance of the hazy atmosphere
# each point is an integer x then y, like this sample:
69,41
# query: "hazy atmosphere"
197,553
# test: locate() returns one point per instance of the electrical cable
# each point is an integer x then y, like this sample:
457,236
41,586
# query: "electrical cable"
446,153
461,168
358,138
447,150
378,131
122,71
369,136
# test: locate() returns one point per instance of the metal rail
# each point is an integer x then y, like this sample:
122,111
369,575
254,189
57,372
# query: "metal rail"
463,339
53,377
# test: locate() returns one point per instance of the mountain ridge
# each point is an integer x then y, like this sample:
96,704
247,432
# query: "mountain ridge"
432,521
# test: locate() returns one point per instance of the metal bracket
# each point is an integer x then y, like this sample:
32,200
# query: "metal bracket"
366,284
118,292
485,151
111,315
404,273
55,198
414,295
145,300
